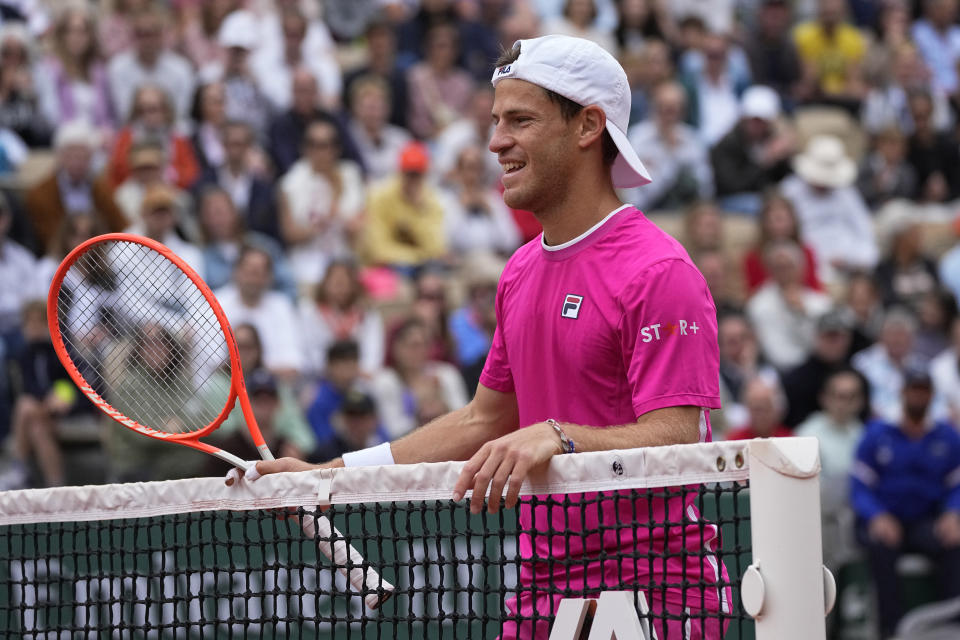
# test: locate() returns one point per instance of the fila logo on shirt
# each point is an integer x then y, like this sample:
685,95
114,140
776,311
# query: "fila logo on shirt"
660,331
571,306
503,70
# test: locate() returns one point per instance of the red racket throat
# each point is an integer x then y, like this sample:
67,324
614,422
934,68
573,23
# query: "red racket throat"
145,339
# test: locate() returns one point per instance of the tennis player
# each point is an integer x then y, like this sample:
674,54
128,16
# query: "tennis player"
606,339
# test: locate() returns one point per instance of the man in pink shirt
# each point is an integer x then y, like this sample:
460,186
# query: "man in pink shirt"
606,339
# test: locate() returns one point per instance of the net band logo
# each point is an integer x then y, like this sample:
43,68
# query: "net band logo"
571,306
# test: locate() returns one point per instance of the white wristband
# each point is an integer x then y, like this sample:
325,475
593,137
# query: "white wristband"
377,456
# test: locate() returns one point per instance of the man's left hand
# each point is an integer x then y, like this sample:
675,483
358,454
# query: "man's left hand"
947,529
510,457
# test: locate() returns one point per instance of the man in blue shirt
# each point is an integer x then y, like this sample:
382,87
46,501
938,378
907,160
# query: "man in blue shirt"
906,496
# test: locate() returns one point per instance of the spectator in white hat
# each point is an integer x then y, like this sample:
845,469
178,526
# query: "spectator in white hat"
835,220
755,154
274,66
72,188
244,99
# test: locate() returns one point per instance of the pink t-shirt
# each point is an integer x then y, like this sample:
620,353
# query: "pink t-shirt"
597,332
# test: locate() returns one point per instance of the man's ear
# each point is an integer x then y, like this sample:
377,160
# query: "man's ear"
593,122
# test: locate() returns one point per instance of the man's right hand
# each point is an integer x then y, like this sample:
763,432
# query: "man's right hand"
885,529
281,465
947,529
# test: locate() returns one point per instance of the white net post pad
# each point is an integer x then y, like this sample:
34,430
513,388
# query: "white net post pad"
786,539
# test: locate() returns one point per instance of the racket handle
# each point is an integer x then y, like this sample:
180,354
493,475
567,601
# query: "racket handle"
343,555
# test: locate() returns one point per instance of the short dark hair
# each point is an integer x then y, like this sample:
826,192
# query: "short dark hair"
249,250
322,119
240,124
568,108
343,350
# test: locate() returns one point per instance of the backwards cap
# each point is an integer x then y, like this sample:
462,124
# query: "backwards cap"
582,71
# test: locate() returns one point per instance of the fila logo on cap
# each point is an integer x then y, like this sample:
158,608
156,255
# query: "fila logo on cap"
571,306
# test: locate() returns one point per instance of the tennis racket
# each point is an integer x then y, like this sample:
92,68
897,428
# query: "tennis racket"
145,339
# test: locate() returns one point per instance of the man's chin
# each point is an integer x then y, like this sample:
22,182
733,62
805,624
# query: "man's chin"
516,199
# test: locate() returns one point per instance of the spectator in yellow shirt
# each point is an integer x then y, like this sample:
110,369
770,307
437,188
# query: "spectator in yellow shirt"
832,51
405,221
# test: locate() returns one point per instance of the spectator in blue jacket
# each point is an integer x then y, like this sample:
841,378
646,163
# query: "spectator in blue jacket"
906,496
342,375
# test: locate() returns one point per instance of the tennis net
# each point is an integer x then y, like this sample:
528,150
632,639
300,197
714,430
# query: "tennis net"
196,559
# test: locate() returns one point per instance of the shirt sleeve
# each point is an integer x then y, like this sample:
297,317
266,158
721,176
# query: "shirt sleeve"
864,477
496,373
668,334
287,351
952,479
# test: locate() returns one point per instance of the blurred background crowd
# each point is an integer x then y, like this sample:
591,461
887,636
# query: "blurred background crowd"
323,165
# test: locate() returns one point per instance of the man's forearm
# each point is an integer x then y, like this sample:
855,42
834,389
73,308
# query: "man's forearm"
454,436
672,425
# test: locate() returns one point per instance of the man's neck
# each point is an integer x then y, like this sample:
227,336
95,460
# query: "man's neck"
301,115
70,181
714,76
235,170
838,422
373,130
148,61
576,216
250,301
914,429
669,133
381,64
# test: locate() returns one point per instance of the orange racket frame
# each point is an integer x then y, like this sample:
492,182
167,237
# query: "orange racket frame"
238,388
329,540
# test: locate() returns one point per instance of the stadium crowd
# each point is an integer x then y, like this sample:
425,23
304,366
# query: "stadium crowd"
323,166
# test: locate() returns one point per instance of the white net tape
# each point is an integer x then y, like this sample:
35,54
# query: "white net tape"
596,471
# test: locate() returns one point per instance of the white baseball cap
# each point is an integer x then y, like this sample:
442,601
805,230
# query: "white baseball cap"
78,133
760,102
238,30
582,71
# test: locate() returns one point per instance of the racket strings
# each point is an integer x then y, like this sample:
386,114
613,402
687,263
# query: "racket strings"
144,337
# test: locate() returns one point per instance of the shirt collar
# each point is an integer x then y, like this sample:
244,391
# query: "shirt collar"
582,236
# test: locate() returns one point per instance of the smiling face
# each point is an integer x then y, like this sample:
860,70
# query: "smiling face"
535,146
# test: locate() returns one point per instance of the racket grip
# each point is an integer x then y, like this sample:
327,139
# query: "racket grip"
348,561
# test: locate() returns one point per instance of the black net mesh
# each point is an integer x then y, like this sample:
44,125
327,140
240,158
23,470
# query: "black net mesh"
253,574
